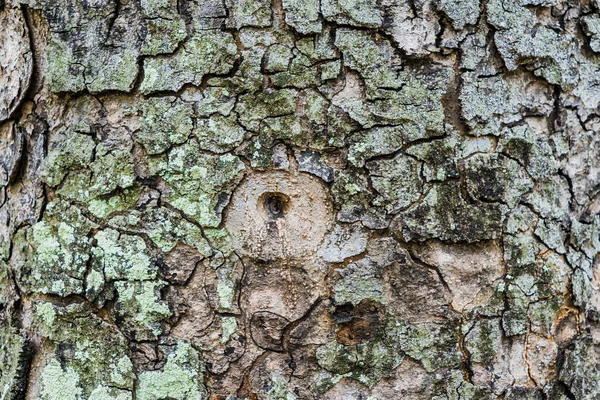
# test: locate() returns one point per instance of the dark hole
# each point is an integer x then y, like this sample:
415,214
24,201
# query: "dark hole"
229,351
276,204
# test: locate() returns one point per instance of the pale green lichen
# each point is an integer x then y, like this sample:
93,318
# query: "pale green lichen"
483,340
229,325
396,95
200,183
98,352
68,151
303,15
353,12
210,52
359,281
123,257
521,39
141,307
165,121
278,390
254,108
57,383
380,141
46,312
108,393
219,134
111,169
227,286
278,58
551,197
591,27
434,345
180,379
15,355
163,36
164,227
460,12
55,251
255,13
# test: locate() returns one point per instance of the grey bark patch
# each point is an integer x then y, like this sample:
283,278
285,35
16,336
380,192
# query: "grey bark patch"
16,59
12,145
312,162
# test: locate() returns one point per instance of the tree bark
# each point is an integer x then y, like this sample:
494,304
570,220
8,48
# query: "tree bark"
299,199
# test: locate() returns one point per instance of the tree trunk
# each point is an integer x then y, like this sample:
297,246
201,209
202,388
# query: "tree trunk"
299,199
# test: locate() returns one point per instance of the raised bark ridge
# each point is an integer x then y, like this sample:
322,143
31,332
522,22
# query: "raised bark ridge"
299,199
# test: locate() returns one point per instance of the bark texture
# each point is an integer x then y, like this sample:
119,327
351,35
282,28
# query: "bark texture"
299,199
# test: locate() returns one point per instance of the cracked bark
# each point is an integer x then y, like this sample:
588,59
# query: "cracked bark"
299,199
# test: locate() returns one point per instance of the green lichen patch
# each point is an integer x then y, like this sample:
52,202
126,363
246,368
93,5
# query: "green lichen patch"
278,58
219,134
359,281
439,156
123,257
373,57
303,15
254,108
118,257
255,13
434,345
522,40
551,197
279,390
163,36
211,52
579,370
533,151
300,73
165,121
141,309
67,151
351,190
52,255
379,141
164,227
489,101
111,169
182,377
460,12
367,362
353,12
591,27
57,382
87,352
200,183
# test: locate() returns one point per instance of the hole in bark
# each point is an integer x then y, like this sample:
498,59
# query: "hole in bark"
276,204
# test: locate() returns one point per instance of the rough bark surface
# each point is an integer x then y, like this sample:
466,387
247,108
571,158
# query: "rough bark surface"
299,199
